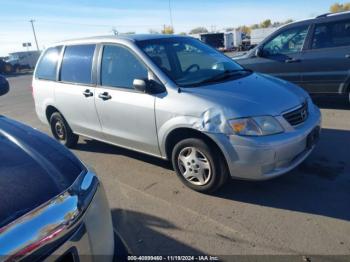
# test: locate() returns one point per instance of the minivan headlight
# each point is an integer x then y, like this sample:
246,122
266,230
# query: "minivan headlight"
256,126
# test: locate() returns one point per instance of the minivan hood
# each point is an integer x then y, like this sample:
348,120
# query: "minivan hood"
254,95
33,169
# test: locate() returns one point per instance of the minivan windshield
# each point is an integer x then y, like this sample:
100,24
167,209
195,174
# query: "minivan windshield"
189,62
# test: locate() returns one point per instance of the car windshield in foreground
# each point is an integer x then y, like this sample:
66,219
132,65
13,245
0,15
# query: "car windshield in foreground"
189,62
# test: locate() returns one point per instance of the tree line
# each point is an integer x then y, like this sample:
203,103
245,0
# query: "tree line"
335,8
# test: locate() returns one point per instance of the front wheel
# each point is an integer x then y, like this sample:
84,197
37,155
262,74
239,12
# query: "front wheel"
199,166
62,131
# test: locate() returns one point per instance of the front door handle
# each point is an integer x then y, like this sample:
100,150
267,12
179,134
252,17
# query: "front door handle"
292,60
88,93
347,56
105,96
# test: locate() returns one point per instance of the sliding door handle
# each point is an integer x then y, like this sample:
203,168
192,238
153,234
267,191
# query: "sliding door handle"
88,93
105,96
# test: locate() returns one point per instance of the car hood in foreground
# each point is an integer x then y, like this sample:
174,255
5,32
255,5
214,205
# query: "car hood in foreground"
33,169
254,95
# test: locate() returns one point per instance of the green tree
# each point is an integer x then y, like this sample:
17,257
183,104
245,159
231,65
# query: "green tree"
198,30
335,8
255,26
168,30
266,23
245,29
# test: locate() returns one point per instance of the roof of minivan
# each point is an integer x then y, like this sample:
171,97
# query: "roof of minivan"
318,18
323,17
131,37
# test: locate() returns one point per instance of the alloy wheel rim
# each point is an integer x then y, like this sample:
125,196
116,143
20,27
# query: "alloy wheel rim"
60,131
194,166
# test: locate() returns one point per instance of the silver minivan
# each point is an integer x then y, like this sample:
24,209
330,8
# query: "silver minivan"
176,98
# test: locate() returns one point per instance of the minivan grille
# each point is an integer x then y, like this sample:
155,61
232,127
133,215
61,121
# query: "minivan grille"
297,116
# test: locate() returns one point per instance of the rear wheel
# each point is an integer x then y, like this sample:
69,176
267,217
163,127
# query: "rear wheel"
62,131
16,69
199,166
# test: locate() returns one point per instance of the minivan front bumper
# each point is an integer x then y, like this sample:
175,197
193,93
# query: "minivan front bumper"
265,157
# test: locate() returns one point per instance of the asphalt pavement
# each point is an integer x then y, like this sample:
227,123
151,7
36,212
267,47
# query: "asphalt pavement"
306,211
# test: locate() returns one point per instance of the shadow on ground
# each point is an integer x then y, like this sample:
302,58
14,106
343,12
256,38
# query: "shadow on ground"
320,185
90,145
142,233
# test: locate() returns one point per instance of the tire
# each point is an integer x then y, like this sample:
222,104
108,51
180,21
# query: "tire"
205,167
16,69
62,131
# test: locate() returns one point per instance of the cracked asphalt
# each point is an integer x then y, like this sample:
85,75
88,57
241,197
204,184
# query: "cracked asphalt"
305,212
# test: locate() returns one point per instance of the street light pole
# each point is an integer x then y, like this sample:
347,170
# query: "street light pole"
36,40
171,15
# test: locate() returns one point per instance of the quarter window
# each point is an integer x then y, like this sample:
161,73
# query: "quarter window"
287,42
47,67
120,67
331,35
77,64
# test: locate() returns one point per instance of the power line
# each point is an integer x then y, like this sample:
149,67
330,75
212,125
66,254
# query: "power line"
36,40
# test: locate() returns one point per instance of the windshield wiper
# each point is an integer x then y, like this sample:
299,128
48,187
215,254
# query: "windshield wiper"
222,76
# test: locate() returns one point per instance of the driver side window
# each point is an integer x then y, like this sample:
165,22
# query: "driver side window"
287,42
120,67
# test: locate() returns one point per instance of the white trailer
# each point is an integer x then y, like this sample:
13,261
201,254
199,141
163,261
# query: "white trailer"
233,39
258,35
222,40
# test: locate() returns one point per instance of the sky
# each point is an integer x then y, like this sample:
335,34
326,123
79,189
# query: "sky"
63,19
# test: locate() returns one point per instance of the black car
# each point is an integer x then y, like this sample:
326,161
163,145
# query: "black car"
51,203
314,53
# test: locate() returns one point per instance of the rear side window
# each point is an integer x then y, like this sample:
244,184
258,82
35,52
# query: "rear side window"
47,66
331,35
77,64
120,67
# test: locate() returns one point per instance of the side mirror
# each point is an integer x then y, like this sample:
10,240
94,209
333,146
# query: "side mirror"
141,85
4,86
148,86
259,52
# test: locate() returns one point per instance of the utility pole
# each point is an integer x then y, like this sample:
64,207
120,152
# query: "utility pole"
171,15
36,40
